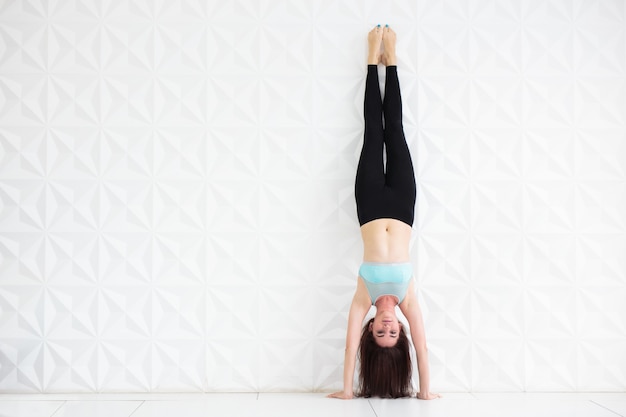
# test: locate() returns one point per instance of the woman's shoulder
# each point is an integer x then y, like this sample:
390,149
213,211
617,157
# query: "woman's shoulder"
361,295
410,296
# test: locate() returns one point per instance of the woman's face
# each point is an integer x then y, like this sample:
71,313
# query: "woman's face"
386,329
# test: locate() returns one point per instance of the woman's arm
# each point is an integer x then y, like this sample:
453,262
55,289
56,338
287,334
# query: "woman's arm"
411,310
361,304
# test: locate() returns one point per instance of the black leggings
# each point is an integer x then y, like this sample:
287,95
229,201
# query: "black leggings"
379,194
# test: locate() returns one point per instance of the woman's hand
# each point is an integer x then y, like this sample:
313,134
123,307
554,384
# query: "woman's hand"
428,395
341,395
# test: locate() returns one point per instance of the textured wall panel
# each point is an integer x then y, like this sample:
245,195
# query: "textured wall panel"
176,191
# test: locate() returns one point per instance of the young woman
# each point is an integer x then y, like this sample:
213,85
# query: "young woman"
385,206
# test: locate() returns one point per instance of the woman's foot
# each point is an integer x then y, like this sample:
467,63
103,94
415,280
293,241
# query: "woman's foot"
374,40
389,43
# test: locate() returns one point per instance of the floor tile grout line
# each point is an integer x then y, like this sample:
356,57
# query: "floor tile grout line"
58,408
135,410
372,407
606,408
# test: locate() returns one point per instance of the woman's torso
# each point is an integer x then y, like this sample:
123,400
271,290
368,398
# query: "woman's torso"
386,240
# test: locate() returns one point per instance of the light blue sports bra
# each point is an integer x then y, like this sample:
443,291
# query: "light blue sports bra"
386,279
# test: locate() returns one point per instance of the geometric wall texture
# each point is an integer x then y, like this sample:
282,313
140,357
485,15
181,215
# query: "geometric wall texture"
176,191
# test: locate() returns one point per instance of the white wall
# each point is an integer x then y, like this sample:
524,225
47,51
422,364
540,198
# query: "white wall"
176,191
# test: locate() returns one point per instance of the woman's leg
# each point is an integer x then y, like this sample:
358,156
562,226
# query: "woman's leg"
400,177
370,174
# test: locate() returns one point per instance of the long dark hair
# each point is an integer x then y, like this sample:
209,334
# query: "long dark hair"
385,371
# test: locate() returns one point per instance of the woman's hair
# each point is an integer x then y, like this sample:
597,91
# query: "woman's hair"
385,371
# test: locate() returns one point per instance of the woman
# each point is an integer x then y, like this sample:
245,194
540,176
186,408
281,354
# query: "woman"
385,207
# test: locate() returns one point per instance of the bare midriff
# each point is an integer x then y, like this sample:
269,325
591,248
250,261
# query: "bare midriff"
386,240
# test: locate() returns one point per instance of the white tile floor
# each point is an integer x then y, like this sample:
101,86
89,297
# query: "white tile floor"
288,405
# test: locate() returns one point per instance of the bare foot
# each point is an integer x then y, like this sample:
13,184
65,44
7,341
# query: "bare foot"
389,43
374,40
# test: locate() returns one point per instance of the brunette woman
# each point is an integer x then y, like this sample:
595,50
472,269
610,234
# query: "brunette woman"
385,198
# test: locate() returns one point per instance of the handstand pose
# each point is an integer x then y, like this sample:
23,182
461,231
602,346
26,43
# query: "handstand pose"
385,206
